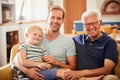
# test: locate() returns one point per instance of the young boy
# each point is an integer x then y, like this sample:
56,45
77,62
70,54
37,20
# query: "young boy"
30,55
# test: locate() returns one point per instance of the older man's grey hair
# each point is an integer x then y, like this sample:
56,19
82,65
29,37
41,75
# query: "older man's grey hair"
90,13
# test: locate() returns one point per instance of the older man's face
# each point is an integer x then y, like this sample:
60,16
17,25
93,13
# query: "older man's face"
92,26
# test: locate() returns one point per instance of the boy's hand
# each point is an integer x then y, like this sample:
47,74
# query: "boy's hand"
49,59
48,66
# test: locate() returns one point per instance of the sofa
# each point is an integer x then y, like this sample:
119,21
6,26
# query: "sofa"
6,74
5,71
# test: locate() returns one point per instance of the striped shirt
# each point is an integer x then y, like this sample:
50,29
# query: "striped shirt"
34,53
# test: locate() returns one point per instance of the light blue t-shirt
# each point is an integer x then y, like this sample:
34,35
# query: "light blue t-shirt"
60,48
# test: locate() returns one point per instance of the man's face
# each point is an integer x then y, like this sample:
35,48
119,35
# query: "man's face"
92,26
55,19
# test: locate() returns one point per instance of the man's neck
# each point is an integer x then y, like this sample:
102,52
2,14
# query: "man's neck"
95,38
52,35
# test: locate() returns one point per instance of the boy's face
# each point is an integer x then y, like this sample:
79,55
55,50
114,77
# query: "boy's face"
34,37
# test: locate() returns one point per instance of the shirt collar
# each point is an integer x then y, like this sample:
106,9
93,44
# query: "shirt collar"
99,39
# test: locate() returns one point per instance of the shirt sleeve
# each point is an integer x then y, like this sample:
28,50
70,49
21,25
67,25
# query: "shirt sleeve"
44,50
111,51
22,47
71,48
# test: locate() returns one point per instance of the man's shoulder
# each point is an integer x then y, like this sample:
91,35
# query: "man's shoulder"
105,37
81,36
66,39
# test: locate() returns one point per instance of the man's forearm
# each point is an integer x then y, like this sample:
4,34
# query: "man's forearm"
63,65
23,69
19,66
94,72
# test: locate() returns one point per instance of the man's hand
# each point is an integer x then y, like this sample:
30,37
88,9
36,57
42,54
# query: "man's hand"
49,59
75,75
34,74
72,75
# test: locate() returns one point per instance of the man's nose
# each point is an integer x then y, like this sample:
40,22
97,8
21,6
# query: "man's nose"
55,20
91,25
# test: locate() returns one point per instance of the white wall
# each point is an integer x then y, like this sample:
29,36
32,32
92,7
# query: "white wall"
26,10
3,41
0,13
58,2
39,9
96,4
32,9
91,4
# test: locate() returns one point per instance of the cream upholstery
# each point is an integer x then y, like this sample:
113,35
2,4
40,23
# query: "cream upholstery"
5,71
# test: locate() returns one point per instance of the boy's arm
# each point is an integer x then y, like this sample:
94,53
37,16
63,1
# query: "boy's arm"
28,63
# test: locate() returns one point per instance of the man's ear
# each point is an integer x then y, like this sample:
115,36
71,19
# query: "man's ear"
63,21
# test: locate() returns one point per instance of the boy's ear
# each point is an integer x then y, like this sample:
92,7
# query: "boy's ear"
26,35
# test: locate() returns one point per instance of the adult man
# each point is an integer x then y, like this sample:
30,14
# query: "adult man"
96,52
61,49
57,44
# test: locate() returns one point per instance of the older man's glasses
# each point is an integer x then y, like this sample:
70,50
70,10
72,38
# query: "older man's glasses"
93,24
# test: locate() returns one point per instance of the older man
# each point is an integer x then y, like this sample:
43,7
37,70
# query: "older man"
96,52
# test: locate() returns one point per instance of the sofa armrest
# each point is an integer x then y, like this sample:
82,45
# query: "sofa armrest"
5,72
117,67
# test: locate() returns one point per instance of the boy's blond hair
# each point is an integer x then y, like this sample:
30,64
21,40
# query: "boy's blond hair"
29,29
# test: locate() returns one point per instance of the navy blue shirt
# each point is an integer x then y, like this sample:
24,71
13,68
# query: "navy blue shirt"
91,55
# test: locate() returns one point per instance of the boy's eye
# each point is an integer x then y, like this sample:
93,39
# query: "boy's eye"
34,34
40,36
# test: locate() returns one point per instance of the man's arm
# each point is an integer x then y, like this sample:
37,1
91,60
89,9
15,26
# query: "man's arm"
108,66
71,61
31,72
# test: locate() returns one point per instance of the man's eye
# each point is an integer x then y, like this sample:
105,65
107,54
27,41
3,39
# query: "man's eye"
52,17
59,18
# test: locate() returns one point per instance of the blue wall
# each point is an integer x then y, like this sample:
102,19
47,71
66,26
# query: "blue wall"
79,25
112,23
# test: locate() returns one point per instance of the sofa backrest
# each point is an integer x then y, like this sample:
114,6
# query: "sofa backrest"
13,52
